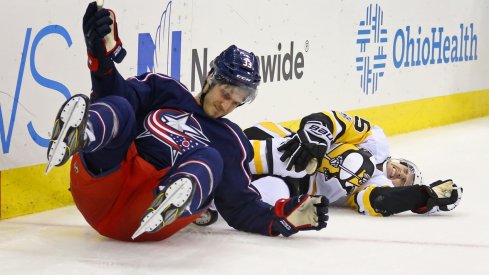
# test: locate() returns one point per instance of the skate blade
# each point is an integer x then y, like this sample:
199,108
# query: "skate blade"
56,154
72,115
175,195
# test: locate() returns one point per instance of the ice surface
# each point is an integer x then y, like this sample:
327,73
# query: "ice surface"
457,242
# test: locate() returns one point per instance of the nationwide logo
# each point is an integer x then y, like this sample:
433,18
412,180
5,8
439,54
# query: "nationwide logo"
163,54
371,39
411,47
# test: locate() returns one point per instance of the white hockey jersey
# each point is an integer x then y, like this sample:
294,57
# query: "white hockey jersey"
342,176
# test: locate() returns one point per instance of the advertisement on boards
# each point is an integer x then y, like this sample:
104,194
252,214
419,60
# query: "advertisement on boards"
314,55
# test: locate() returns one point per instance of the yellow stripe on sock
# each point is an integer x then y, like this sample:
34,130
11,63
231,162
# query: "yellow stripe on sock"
274,128
366,202
257,158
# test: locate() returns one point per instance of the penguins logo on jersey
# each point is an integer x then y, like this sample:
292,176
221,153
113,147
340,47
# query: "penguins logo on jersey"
352,166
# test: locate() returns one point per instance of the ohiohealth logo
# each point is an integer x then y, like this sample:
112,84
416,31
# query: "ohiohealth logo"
412,46
372,39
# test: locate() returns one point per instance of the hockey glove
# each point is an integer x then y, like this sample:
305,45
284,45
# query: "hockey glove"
102,40
207,218
299,213
310,142
443,195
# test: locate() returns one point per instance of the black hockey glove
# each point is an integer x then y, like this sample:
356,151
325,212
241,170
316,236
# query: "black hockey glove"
299,213
310,142
102,40
443,195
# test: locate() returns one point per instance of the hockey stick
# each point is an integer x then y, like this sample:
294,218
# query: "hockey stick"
311,166
100,4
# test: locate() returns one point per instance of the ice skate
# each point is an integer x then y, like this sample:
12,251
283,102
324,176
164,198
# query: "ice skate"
167,207
67,137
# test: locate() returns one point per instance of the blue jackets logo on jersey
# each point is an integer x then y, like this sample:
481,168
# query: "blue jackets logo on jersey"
179,131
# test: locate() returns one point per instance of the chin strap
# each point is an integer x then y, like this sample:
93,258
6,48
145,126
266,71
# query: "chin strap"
384,167
204,93
210,82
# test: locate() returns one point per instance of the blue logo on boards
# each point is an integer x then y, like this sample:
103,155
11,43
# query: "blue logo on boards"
159,54
372,39
29,52
412,46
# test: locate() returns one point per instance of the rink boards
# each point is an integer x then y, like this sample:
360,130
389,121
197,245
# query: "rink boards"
26,190
404,67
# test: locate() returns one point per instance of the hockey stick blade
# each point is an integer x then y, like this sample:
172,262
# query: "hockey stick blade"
100,4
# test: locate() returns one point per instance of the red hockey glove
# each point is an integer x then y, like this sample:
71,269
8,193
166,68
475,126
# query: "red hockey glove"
299,213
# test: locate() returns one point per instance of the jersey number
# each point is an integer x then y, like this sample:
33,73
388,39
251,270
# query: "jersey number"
361,124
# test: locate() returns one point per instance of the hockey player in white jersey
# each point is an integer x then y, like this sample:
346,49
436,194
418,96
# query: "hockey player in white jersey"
355,170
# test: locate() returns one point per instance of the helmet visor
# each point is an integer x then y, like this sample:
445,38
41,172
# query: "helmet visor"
232,87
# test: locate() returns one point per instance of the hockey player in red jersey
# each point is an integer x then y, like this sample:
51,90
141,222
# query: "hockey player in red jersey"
149,157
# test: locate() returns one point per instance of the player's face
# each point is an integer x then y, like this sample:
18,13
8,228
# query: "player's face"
399,174
222,99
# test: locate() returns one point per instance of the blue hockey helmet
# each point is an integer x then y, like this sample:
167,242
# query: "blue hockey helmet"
237,67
